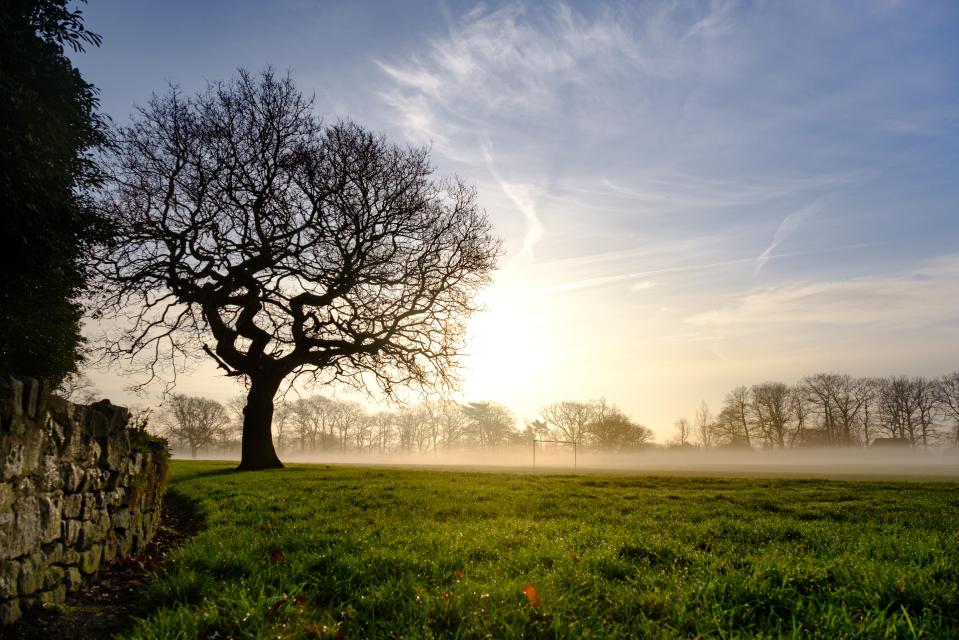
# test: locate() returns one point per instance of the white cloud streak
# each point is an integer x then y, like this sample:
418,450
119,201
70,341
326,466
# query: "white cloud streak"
786,228
521,196
914,299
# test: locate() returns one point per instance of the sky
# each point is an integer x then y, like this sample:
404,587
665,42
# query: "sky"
692,195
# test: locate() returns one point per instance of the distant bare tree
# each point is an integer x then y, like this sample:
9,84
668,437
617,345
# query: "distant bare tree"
282,423
927,401
770,403
198,422
684,432
818,390
948,392
279,247
799,409
490,423
866,392
612,430
704,425
733,423
345,417
311,418
570,418
452,422
383,423
896,402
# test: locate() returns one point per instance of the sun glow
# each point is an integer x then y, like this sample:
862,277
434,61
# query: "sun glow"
508,357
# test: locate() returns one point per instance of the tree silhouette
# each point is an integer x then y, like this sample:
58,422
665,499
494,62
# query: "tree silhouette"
198,422
49,128
281,247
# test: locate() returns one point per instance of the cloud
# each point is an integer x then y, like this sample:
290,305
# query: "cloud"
521,196
642,285
786,228
914,299
588,283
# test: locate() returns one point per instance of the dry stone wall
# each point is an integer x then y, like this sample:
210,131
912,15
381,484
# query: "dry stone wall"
78,488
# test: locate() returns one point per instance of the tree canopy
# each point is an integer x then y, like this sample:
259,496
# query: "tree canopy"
48,129
283,247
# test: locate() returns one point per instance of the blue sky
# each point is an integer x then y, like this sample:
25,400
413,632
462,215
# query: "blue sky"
692,195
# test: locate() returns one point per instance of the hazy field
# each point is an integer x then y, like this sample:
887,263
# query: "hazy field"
376,552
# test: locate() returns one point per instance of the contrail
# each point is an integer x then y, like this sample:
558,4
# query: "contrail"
786,228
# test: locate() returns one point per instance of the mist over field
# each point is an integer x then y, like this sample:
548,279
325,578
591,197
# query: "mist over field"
812,462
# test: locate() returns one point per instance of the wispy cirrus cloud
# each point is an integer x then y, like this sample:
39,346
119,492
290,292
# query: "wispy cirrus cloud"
912,299
785,229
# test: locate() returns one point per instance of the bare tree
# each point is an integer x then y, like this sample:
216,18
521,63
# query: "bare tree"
198,422
799,409
770,402
489,422
734,418
896,401
818,392
949,401
704,425
684,431
866,392
382,424
926,399
613,430
280,248
570,418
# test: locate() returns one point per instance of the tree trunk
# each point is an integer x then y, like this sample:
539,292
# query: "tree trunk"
257,448
193,451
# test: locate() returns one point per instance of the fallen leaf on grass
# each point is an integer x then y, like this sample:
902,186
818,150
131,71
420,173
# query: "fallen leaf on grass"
276,555
532,595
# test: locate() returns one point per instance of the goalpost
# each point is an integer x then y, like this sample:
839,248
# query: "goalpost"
536,441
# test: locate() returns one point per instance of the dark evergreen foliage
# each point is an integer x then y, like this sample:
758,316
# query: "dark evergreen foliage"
48,128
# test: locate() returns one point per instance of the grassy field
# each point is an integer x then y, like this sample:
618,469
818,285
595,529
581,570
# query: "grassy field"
316,552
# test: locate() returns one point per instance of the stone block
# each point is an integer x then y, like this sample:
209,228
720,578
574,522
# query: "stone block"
72,505
90,534
11,397
6,496
9,612
53,576
73,477
9,571
71,557
121,518
51,509
48,474
53,552
73,578
110,549
114,452
104,418
53,596
90,506
114,498
21,533
30,575
90,559
31,396
124,543
71,532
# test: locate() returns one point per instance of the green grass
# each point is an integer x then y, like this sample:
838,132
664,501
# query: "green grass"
386,553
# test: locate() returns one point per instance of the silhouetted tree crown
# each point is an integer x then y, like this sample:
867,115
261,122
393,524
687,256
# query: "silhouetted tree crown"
282,247
48,128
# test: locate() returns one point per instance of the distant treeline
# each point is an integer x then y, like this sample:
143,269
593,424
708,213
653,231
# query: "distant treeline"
830,409
825,409
322,424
